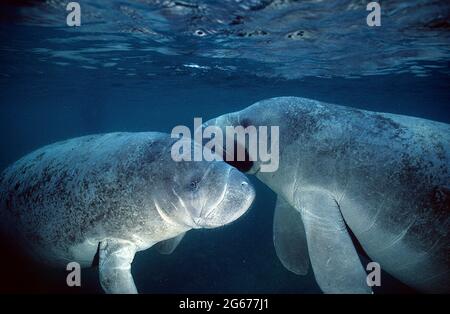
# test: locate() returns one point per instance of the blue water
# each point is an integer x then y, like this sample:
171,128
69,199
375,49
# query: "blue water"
151,65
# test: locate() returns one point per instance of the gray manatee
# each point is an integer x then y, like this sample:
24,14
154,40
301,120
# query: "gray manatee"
384,176
113,195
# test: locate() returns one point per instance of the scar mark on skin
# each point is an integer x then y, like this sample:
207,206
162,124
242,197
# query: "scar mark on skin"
399,237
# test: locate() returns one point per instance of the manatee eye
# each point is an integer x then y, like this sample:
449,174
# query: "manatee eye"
194,184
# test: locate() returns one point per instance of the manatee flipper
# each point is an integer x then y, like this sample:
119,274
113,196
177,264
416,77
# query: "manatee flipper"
337,267
168,246
115,258
289,238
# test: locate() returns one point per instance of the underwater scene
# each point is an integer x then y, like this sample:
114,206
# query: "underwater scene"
107,185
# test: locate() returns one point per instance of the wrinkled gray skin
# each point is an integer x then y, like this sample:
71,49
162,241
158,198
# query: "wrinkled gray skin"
387,176
114,194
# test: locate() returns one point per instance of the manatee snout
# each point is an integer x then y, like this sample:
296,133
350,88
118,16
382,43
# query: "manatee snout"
236,198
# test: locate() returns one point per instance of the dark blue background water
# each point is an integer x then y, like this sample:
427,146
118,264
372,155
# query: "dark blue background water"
40,109
43,101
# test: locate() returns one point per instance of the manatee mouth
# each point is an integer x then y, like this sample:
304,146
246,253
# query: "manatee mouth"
232,159
242,165
203,216
236,198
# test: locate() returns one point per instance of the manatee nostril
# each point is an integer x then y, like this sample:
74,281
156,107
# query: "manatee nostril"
244,184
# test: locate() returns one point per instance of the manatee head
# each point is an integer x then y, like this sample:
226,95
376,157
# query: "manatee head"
202,194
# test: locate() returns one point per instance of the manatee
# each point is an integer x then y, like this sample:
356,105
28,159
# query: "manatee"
109,196
385,177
